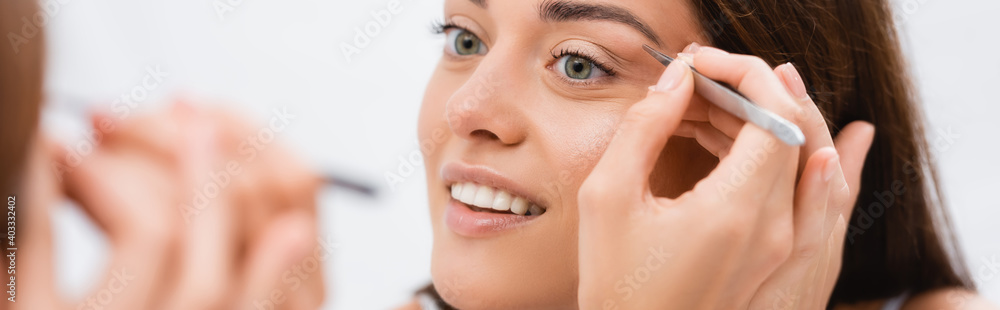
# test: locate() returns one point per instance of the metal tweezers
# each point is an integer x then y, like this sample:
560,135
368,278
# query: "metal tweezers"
737,104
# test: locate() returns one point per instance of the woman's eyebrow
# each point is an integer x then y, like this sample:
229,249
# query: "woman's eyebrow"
566,10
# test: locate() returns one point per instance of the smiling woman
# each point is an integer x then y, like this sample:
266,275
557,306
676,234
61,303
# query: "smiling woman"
512,217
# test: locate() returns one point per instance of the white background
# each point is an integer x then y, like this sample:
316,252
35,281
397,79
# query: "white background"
359,116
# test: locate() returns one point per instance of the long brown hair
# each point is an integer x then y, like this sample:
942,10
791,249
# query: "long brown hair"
21,58
848,53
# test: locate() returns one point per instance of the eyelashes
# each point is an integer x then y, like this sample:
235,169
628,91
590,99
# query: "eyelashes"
583,54
440,27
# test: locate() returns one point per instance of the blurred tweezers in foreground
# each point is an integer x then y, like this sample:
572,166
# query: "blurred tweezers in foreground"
332,179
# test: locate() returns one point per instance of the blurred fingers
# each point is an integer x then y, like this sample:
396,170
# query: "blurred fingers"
276,264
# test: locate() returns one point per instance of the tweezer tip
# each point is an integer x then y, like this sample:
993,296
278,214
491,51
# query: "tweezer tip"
661,57
651,50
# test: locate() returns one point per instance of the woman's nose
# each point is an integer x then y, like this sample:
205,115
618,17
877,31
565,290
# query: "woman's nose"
485,110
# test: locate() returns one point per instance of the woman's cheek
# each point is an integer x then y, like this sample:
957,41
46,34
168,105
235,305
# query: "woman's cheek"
432,127
582,147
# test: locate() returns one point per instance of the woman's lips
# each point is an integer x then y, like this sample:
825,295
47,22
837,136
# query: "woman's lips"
467,222
460,173
484,202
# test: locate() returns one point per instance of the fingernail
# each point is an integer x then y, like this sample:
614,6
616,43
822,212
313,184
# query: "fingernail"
794,81
692,48
686,57
830,168
671,77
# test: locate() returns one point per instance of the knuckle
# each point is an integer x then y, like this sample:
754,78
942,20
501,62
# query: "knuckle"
779,245
734,227
797,114
755,63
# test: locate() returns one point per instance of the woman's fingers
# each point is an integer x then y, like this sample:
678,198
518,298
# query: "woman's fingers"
207,245
853,144
281,249
751,76
810,119
136,211
713,140
725,122
811,199
641,136
756,154
806,263
33,207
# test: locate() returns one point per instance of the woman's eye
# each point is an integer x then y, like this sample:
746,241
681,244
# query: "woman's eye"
578,68
462,42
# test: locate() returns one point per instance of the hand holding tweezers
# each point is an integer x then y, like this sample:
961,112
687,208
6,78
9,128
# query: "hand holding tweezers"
737,104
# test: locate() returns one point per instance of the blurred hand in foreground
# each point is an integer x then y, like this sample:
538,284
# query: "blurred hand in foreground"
202,210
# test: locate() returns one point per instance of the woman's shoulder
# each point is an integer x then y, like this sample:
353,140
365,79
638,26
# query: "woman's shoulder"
948,298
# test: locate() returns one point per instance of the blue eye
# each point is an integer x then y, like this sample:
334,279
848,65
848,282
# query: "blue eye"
463,42
578,67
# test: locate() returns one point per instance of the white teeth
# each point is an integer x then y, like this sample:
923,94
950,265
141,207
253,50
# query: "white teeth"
535,210
484,197
488,197
456,191
519,206
468,193
502,201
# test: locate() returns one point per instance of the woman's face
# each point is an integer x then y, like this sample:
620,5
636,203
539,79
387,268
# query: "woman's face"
524,100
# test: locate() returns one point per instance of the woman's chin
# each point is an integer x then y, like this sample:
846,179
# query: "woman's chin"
489,275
